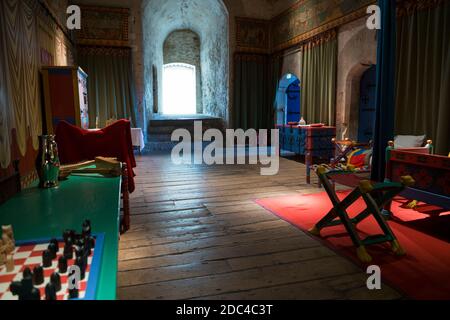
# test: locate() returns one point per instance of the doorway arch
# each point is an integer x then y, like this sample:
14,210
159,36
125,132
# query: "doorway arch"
367,107
288,99
181,57
210,21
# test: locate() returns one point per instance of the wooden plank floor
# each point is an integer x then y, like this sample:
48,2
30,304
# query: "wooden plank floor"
197,234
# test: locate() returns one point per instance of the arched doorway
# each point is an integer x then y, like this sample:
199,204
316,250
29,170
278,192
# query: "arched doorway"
289,99
367,109
181,77
209,21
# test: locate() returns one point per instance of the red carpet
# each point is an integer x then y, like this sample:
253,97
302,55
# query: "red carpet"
424,273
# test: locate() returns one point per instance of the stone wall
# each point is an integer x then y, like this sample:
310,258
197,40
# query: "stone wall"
353,50
183,46
357,52
292,62
135,38
209,19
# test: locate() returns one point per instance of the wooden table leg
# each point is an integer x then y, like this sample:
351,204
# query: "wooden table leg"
125,223
308,162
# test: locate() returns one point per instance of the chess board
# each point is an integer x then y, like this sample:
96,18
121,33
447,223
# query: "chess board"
29,254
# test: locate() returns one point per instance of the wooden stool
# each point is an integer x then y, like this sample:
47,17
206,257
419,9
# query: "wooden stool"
375,196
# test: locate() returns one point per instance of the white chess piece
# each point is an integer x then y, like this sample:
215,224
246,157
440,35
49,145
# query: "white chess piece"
8,239
10,263
2,253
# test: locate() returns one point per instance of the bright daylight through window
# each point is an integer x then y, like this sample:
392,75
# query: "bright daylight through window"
179,89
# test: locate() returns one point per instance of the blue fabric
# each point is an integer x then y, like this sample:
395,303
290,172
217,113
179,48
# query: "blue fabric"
385,96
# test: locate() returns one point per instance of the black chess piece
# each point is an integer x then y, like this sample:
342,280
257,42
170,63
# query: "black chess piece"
73,293
24,289
87,251
62,264
81,264
56,243
85,259
86,231
35,294
15,287
66,235
27,284
91,241
47,259
80,242
27,273
38,275
53,250
50,291
73,233
87,246
68,249
55,279
79,252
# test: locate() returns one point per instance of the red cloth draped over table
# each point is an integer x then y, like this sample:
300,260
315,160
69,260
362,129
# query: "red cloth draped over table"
76,145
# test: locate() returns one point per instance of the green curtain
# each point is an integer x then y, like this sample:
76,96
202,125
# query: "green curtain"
276,65
251,109
423,75
111,88
318,80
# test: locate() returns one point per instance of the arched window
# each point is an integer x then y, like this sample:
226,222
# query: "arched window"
179,89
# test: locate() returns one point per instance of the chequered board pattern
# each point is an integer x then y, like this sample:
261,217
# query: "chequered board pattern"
31,256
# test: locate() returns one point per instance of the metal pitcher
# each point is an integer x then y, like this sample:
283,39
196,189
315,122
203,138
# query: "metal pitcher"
47,163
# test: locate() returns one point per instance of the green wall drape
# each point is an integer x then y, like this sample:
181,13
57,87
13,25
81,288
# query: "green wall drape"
276,65
111,87
423,75
251,106
318,78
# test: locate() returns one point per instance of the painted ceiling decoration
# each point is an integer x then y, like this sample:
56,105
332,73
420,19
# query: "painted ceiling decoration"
253,35
308,18
304,20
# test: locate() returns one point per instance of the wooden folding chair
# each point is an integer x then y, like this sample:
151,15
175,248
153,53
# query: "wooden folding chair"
375,195
345,148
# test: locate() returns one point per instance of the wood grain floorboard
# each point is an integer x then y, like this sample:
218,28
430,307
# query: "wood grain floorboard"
198,234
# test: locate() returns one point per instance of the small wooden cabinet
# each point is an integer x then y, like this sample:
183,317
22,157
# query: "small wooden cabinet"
65,97
311,142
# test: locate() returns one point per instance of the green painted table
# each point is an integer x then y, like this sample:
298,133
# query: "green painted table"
37,213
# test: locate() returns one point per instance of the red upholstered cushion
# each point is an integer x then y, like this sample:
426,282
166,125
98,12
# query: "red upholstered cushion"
76,145
359,158
357,161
